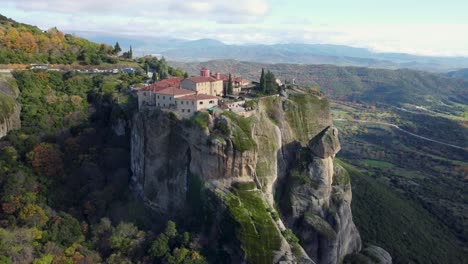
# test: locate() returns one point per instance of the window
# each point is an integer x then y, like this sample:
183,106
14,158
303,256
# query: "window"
211,102
188,110
201,102
170,98
183,110
181,102
158,96
164,105
164,97
144,93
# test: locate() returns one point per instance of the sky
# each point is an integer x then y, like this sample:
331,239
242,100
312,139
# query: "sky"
430,27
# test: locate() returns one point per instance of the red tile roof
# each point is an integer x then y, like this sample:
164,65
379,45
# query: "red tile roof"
163,84
175,91
195,97
201,79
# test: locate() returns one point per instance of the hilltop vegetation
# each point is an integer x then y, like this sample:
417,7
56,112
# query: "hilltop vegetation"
21,43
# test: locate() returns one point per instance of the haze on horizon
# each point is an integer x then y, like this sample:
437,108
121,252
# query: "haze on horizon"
415,27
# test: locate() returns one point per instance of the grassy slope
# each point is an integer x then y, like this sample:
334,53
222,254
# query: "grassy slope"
257,232
304,112
391,221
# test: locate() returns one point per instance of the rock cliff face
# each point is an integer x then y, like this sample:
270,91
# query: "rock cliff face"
279,161
9,108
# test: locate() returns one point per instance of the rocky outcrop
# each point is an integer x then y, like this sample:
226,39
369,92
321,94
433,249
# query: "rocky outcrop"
10,120
281,156
326,143
9,109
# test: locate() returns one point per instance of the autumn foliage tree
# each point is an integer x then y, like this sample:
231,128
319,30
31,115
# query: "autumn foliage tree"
47,160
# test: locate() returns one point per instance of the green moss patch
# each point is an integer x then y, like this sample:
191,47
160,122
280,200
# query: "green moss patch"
244,186
200,119
257,232
7,105
320,225
241,132
304,113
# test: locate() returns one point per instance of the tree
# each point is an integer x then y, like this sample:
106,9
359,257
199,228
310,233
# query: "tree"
186,75
33,215
117,48
155,77
11,39
229,88
171,229
262,87
130,53
270,85
147,69
160,246
47,160
126,238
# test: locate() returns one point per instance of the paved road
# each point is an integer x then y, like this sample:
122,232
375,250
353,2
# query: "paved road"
404,131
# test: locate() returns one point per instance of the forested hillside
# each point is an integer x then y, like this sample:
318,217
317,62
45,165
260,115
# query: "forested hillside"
21,43
64,178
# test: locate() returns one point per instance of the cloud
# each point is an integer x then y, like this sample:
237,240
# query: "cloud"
242,21
215,10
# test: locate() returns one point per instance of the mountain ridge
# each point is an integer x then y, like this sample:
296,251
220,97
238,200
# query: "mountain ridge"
301,53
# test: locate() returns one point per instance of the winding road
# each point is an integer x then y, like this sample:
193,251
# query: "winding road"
404,131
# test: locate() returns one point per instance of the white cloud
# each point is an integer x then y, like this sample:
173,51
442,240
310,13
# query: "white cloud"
215,10
242,21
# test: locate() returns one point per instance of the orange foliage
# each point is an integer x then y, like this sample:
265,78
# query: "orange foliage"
27,42
47,160
11,39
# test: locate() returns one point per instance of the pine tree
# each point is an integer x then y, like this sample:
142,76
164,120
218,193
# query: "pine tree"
147,68
117,48
186,75
155,77
230,89
130,53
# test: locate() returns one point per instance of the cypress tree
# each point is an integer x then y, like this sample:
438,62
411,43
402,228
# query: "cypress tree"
262,80
230,90
117,48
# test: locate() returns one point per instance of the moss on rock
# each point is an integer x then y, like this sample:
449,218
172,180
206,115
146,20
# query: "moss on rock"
320,225
257,233
241,132
307,115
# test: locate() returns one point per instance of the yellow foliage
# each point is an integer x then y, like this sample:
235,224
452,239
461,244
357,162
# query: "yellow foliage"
33,214
36,233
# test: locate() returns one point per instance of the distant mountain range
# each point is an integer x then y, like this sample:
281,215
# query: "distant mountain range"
210,49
